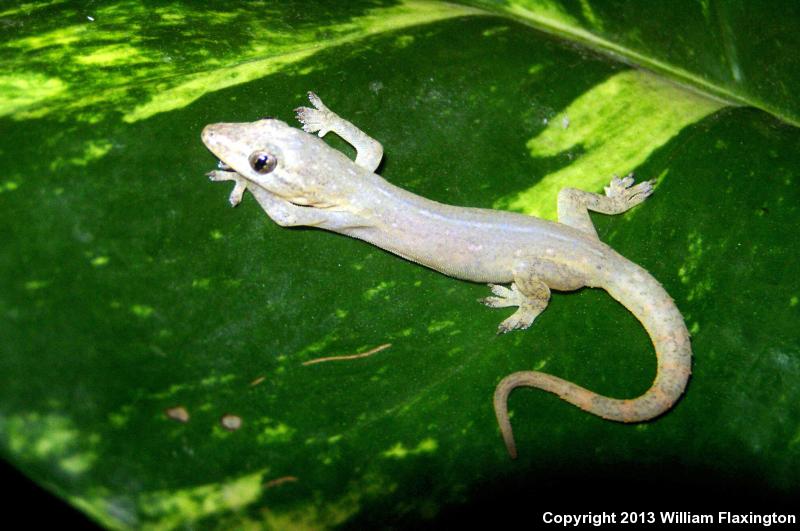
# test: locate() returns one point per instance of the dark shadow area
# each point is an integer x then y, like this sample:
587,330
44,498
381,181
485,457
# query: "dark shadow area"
28,503
609,488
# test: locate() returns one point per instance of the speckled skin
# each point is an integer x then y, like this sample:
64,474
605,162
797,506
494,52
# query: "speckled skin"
314,185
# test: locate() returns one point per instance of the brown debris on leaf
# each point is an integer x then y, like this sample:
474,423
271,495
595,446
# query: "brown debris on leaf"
178,414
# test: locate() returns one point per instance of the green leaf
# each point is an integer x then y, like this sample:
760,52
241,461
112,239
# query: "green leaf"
742,52
140,316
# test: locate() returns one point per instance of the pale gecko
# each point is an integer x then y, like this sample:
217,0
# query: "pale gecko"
299,180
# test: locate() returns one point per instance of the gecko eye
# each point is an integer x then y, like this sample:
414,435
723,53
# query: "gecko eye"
262,162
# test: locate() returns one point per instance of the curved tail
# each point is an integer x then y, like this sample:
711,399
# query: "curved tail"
640,293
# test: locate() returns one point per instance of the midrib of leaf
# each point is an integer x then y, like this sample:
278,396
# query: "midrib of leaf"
562,28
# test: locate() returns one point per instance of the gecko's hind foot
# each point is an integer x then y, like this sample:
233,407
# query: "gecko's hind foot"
505,297
317,120
238,190
519,320
625,195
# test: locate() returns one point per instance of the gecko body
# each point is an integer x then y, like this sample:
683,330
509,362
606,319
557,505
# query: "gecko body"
299,180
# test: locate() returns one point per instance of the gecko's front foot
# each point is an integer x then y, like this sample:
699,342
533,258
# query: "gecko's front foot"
226,175
625,195
318,120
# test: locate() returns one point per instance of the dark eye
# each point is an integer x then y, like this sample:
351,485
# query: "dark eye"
262,162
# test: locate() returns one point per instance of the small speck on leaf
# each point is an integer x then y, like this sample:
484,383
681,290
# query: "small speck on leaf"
142,310
231,422
33,285
280,481
99,261
177,413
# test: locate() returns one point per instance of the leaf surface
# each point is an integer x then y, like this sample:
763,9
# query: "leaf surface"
138,311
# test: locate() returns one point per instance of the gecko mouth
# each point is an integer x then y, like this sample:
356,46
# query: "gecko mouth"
222,166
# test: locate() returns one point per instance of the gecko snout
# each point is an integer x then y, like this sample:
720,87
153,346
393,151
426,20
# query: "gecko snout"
208,133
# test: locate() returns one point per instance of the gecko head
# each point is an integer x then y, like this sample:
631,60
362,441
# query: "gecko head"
254,150
281,159
268,153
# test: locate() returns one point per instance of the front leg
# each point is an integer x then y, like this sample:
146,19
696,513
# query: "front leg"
226,175
283,212
621,195
321,119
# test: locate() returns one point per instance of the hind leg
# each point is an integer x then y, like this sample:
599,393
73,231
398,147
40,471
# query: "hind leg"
528,293
621,195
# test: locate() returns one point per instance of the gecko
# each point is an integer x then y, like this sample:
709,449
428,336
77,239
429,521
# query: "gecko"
299,180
